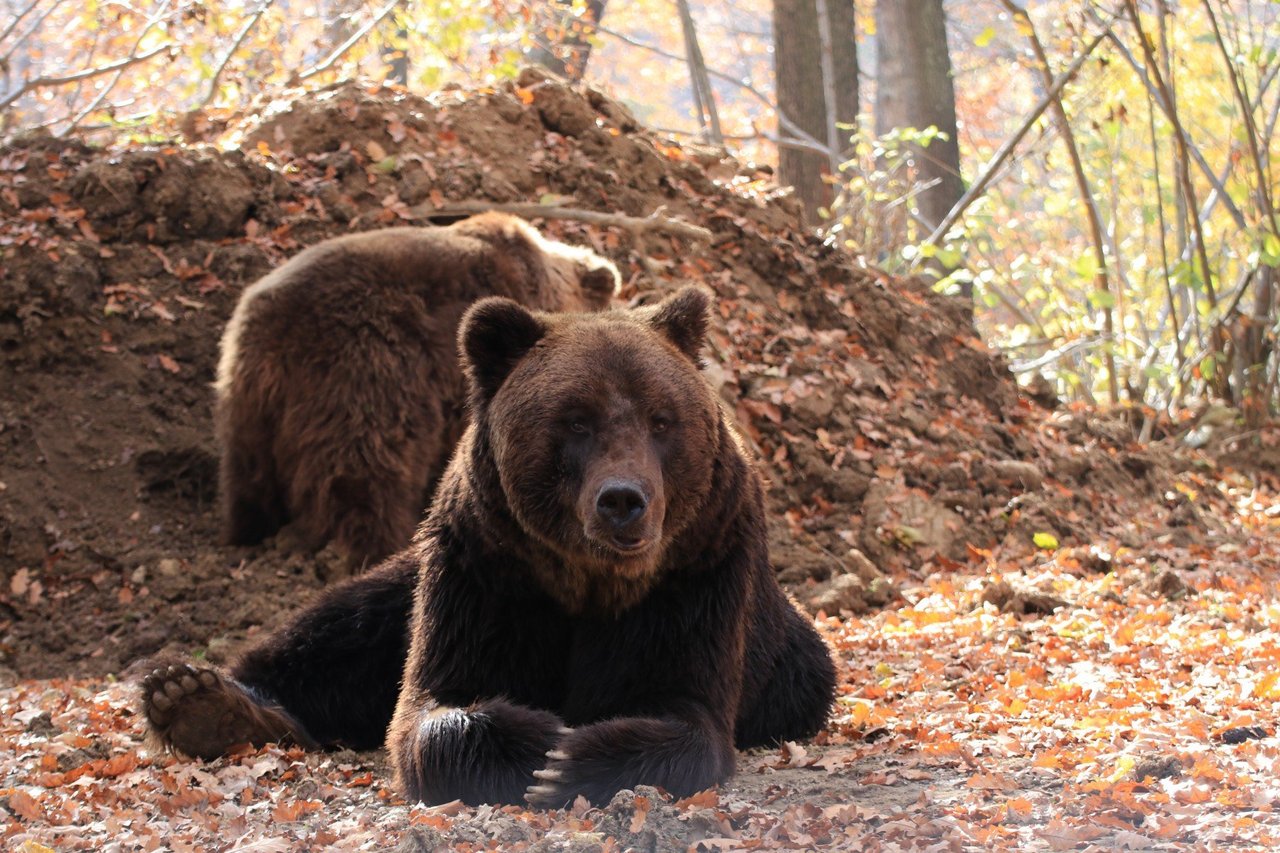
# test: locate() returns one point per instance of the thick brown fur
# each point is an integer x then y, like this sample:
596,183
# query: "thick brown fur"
339,396
589,605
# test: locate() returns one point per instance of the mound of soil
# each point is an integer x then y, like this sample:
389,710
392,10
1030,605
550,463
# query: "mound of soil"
892,439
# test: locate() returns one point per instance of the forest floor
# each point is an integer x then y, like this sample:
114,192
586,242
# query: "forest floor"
1049,636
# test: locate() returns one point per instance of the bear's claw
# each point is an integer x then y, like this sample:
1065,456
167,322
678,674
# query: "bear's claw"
200,713
556,787
543,797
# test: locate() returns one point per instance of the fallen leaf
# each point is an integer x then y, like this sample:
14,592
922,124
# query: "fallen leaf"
26,806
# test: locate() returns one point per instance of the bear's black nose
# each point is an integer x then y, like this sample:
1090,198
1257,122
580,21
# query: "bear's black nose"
620,503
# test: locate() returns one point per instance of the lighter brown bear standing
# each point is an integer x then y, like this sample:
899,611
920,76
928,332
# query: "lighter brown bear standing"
339,395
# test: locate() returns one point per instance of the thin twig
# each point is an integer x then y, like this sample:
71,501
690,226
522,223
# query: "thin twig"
355,39
783,119
235,45
93,105
979,186
13,25
1196,156
1101,276
22,39
635,224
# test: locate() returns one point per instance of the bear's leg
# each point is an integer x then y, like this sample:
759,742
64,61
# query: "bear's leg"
487,753
598,760
200,713
252,504
374,515
797,699
329,677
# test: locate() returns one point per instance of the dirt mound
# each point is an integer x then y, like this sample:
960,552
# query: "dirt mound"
884,424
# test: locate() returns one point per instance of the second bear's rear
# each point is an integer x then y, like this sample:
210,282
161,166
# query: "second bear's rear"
339,396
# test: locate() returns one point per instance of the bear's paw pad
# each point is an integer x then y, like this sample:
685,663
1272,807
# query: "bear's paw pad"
200,713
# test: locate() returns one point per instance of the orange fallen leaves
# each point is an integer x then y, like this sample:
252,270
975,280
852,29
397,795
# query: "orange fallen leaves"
291,810
25,806
641,813
992,782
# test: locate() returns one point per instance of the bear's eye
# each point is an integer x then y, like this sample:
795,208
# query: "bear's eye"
660,423
579,425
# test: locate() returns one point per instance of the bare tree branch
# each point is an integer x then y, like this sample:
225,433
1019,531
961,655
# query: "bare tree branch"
1200,162
20,40
1246,111
156,18
1101,276
979,186
1055,355
1180,140
46,82
341,50
757,134
252,22
787,124
655,221
1171,304
17,19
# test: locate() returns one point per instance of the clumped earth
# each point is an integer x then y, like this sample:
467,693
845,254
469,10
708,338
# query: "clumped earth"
898,449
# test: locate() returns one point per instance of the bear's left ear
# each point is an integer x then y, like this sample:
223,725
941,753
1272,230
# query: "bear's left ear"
494,335
600,279
682,319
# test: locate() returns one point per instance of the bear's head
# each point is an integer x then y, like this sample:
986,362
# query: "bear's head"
568,278
602,433
579,279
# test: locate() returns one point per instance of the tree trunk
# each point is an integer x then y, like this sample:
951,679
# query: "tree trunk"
562,43
798,61
914,89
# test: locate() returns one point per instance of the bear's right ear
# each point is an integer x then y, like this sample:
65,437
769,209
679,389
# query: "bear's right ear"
683,318
494,335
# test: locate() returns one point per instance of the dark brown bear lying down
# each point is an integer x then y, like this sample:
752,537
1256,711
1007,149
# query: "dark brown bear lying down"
589,605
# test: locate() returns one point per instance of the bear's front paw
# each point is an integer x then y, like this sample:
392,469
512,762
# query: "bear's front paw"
201,713
599,760
483,754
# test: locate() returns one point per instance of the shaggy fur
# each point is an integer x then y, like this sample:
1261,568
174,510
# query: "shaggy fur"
339,396
592,602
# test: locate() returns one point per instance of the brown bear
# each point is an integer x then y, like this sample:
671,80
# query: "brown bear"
339,396
589,605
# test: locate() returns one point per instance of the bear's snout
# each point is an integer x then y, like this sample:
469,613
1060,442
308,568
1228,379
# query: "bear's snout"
622,512
620,504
